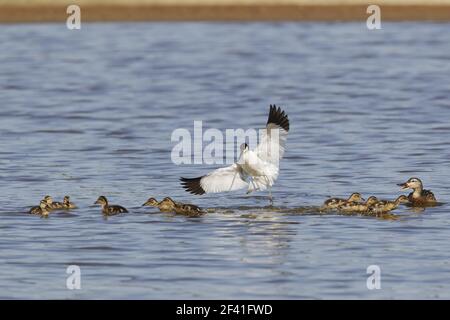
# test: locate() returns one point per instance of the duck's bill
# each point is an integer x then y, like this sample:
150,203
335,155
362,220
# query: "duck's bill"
403,186
96,202
145,204
362,199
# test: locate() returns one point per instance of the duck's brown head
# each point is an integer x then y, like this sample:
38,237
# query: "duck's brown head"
48,199
101,201
151,202
66,199
372,200
355,197
43,204
402,199
412,183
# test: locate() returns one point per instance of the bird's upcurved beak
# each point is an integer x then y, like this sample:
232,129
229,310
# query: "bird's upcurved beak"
403,186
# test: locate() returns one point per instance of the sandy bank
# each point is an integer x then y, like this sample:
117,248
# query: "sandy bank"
56,12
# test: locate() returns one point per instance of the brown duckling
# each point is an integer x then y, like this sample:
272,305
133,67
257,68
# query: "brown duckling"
50,204
42,209
419,196
189,210
386,206
334,203
48,199
109,209
169,205
53,205
358,206
67,204
166,205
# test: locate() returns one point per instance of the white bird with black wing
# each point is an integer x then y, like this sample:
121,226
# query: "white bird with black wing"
256,169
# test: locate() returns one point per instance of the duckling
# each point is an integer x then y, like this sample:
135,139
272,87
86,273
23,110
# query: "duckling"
49,201
386,206
57,205
166,205
334,203
357,206
169,205
189,210
52,205
107,209
67,204
419,196
36,209
42,209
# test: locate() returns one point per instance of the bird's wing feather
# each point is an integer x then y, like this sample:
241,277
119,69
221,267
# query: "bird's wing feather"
229,178
273,138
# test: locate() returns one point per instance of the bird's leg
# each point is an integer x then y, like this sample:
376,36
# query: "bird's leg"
270,191
232,182
253,184
270,196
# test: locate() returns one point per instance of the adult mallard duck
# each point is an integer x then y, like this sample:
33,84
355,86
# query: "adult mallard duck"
419,196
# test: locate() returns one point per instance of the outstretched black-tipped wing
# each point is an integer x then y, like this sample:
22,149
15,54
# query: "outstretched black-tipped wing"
278,117
273,138
223,179
192,185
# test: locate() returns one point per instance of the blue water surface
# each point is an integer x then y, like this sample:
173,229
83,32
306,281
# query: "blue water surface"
91,112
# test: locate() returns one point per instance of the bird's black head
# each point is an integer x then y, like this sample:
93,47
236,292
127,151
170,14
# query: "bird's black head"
244,146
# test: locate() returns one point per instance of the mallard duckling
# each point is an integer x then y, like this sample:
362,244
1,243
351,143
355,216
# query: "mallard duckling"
334,203
166,205
419,196
169,205
386,206
41,210
67,204
107,209
49,201
189,210
37,209
358,206
51,204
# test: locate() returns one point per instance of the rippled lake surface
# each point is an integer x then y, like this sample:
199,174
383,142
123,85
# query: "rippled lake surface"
91,112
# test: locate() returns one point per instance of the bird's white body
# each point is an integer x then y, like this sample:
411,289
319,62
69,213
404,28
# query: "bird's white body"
256,169
252,164
262,173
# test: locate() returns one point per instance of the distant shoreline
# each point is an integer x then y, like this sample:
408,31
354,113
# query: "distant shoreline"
110,13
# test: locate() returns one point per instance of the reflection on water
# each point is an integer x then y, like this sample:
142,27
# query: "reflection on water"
88,114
